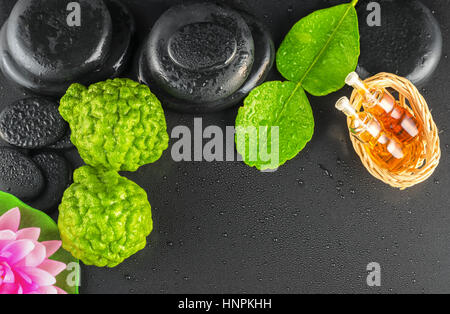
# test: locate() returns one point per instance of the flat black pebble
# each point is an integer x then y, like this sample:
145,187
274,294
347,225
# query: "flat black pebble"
408,42
19,175
64,143
32,123
58,176
24,151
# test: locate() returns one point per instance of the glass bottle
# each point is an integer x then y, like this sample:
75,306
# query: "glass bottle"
396,120
385,150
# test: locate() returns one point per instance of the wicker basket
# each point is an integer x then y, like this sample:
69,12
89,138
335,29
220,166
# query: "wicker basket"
432,153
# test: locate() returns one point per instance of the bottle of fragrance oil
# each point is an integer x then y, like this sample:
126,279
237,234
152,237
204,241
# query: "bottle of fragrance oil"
385,150
396,120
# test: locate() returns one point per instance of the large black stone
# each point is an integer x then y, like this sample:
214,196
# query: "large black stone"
205,57
19,175
123,31
58,176
41,52
408,42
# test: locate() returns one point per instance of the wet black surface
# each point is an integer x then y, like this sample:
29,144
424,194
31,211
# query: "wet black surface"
312,226
58,177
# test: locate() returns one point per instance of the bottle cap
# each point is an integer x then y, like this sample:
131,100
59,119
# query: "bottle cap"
344,105
352,79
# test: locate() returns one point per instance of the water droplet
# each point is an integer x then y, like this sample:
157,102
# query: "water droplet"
326,172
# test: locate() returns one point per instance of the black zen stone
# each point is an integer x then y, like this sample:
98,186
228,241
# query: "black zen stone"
43,53
408,42
58,176
123,31
19,175
121,45
200,52
24,151
64,143
205,57
32,123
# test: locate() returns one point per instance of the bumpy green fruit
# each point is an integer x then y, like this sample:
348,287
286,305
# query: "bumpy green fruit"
117,124
104,218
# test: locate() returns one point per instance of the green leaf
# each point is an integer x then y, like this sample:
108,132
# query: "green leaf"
31,217
273,104
321,49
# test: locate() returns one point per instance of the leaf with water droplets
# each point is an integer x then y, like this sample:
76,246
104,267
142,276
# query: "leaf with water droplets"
274,104
321,49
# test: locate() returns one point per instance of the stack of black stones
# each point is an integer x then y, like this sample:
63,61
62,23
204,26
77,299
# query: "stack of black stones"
44,48
32,166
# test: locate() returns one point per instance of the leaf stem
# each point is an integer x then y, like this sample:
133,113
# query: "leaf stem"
327,44
354,2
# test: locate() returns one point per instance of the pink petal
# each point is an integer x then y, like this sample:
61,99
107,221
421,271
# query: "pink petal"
9,288
52,247
24,277
4,243
54,268
10,220
35,258
7,235
26,283
60,291
39,276
17,250
47,290
29,233
8,274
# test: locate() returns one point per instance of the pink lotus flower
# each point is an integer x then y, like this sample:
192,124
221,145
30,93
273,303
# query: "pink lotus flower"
24,264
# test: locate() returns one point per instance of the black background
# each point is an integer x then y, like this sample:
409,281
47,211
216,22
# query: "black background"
311,227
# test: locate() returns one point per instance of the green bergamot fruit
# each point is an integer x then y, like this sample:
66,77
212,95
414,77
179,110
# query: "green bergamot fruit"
104,218
117,124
